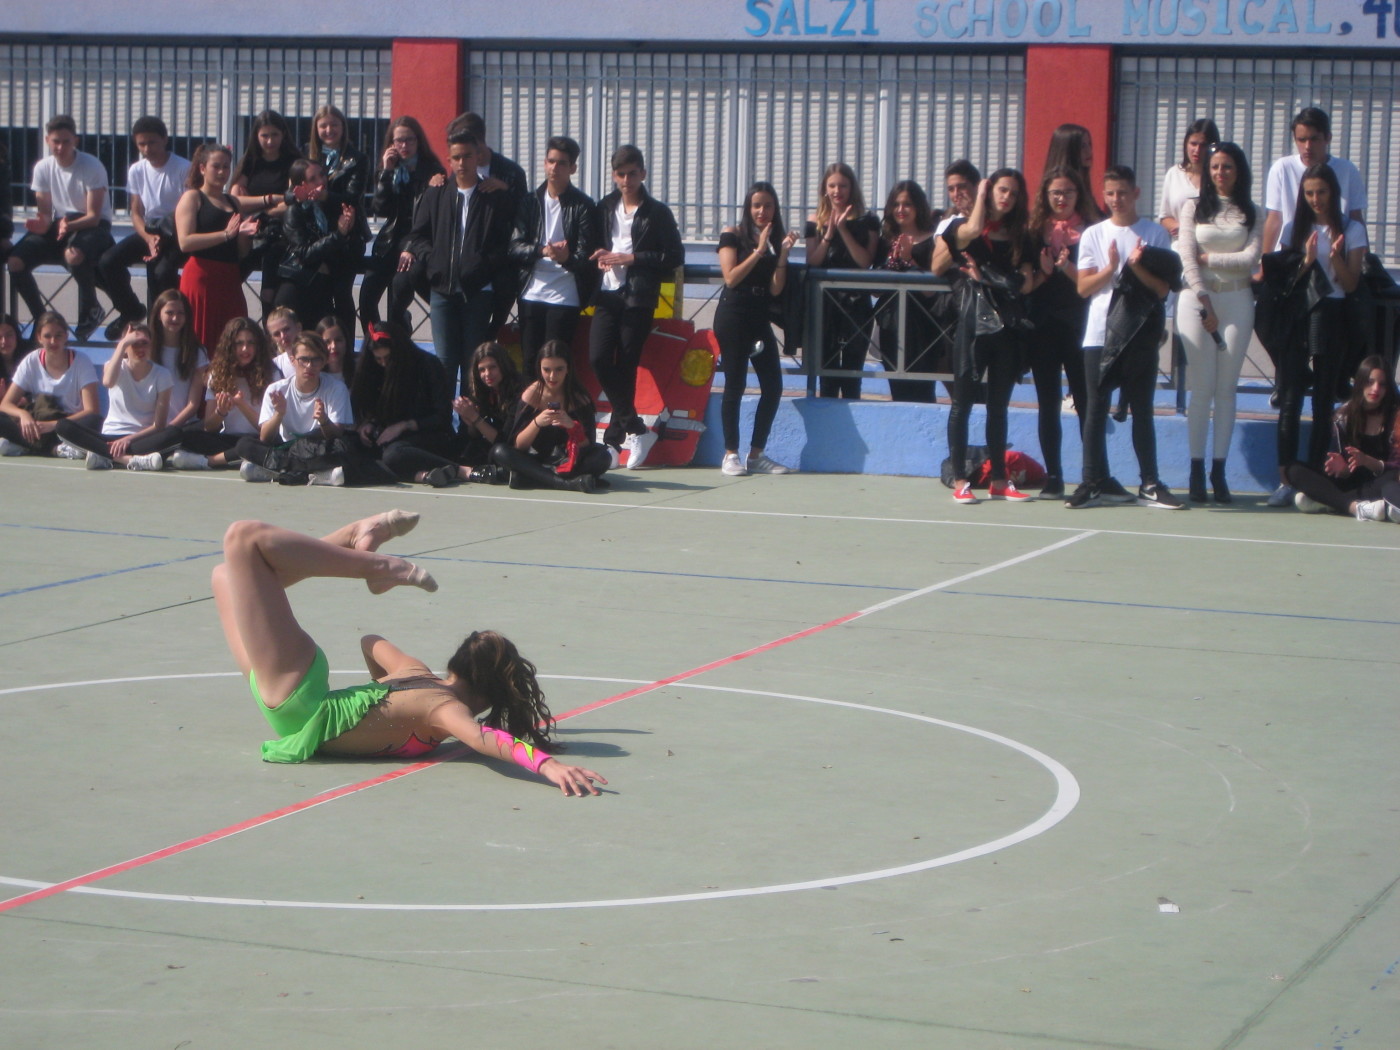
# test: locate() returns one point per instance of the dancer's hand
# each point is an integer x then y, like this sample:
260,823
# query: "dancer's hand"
571,780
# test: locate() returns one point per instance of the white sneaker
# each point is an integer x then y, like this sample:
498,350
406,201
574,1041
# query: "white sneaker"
96,462
66,451
614,457
761,464
733,465
9,448
638,447
1308,505
1392,512
250,471
1370,510
150,461
334,476
184,459
1282,496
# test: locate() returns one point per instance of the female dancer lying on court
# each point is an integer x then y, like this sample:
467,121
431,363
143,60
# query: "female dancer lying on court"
407,711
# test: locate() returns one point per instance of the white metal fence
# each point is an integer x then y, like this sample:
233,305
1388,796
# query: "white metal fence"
710,123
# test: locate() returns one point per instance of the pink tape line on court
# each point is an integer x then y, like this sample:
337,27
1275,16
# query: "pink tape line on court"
417,767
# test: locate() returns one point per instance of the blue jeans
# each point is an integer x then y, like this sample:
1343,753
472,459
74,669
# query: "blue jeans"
461,322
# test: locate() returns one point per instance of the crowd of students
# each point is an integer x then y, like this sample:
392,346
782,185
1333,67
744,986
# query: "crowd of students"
1075,290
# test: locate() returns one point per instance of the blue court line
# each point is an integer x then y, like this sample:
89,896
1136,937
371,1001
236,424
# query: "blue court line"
654,572
110,572
102,532
1175,608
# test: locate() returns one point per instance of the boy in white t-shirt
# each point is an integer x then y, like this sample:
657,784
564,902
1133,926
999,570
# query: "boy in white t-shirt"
153,186
1106,251
310,403
1312,134
73,225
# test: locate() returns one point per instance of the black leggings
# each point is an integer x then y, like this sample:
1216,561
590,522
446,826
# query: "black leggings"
1003,368
615,345
1338,493
1055,348
846,319
592,460
1324,349
1136,369
91,439
738,330
540,323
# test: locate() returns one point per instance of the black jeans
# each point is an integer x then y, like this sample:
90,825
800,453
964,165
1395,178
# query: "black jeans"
1337,493
89,438
381,274
739,328
1323,347
114,273
1003,368
540,323
1135,371
1055,348
615,350
35,249
846,318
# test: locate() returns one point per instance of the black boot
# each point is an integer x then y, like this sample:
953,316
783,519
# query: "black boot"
1198,481
1217,481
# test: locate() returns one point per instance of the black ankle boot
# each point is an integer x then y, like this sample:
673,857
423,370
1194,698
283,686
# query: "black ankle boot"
1198,481
1217,481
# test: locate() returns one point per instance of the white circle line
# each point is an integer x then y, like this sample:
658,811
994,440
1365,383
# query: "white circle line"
1067,796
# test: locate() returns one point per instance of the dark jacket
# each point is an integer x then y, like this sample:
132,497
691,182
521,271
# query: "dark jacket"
1137,315
308,249
350,176
426,398
483,253
985,308
656,243
394,204
579,215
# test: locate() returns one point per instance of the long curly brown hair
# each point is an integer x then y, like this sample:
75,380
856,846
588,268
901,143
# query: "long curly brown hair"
224,371
496,673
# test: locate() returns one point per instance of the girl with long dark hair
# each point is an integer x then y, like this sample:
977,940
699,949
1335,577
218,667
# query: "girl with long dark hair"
906,245
215,237
552,441
402,404
240,371
260,185
753,257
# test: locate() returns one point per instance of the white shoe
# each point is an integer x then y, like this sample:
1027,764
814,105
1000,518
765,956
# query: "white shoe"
96,462
250,471
184,459
638,447
334,476
1308,505
614,457
1370,510
1392,512
761,464
9,448
1282,496
733,465
66,451
150,461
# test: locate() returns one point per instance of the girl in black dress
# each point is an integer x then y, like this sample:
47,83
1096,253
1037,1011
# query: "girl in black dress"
842,235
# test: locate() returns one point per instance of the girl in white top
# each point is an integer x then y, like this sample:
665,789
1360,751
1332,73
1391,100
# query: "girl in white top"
1220,239
240,370
138,407
1337,245
63,378
1182,181
178,350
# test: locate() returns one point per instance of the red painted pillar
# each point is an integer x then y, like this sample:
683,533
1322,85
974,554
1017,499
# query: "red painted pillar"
1068,84
429,82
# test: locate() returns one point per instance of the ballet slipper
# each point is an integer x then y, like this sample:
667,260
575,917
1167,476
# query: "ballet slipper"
394,523
417,576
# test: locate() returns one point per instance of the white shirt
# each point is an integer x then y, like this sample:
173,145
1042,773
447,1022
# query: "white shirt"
180,392
1177,189
33,378
283,363
69,186
1355,238
621,220
158,188
131,403
300,417
1093,255
549,281
235,422
1286,176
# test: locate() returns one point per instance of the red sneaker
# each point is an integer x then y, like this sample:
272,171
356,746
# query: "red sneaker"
962,493
1007,490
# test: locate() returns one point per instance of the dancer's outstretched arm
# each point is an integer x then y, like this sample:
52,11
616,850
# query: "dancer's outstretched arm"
455,720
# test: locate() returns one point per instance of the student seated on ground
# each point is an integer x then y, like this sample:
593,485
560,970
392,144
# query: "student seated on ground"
177,348
402,405
552,442
240,371
136,429
1365,451
13,349
73,225
50,384
283,326
483,414
308,405
340,348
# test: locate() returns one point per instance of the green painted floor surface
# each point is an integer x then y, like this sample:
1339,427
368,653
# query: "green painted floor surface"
1114,778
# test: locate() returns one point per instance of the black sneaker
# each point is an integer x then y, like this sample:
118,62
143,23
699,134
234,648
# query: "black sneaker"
89,325
1156,494
441,477
1113,492
117,328
1053,488
1086,495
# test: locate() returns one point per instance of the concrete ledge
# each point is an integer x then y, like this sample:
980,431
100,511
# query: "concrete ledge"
885,437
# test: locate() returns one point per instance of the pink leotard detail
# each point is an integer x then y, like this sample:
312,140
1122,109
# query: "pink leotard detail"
521,753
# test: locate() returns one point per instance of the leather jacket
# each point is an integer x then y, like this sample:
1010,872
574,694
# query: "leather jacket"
483,253
656,244
579,216
394,203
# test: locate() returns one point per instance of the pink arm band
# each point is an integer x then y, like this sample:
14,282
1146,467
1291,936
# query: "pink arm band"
521,753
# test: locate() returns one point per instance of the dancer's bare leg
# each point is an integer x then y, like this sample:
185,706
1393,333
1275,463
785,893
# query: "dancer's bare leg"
368,534
251,593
